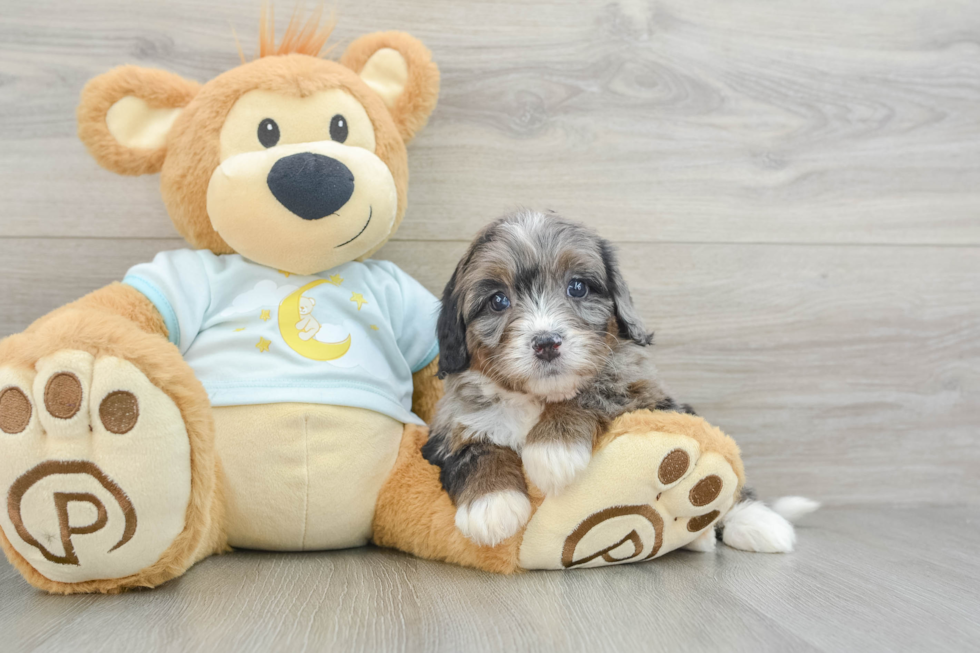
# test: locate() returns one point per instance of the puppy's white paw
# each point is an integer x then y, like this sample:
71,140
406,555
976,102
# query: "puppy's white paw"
494,517
753,526
552,466
703,543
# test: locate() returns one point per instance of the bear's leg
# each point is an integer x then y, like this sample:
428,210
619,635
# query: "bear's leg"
107,457
414,514
656,482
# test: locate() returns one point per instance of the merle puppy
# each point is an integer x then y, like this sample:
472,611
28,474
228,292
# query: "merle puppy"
541,349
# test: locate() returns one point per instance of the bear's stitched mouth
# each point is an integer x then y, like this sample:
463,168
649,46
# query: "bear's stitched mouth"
370,213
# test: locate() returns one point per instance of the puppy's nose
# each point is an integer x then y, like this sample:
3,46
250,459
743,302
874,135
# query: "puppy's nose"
546,346
310,185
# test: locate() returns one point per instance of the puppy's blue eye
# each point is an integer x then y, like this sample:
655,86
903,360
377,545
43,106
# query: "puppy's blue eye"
577,289
499,302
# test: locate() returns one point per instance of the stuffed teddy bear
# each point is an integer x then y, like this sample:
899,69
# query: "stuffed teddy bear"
268,387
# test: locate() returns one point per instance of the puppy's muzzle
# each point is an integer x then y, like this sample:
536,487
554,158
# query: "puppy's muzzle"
546,346
310,185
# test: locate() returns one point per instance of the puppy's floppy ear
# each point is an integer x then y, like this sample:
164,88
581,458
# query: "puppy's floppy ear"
630,325
454,356
399,69
125,116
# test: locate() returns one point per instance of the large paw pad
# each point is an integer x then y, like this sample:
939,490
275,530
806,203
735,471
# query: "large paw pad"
642,496
95,466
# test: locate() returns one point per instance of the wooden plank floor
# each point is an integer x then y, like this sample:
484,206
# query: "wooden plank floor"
862,580
795,188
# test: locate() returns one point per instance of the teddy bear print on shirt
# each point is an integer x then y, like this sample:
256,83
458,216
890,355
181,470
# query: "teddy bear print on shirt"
308,325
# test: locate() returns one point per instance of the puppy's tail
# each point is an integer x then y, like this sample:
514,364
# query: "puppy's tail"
792,509
753,526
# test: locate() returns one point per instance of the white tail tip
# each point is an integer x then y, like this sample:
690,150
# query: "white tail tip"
753,526
793,508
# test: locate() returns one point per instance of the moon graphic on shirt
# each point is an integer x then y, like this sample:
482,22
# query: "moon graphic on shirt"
313,349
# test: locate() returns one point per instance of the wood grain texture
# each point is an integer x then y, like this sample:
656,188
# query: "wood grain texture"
831,122
860,581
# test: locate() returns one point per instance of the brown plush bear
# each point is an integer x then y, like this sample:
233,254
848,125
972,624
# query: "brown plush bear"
267,389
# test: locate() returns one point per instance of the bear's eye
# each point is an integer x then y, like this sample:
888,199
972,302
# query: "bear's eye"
577,289
338,128
268,132
499,302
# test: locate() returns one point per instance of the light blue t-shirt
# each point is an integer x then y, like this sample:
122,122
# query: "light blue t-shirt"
351,336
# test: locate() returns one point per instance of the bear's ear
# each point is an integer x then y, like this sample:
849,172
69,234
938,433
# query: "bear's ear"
125,115
399,69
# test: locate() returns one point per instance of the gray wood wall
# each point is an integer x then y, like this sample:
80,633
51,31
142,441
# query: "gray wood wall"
795,187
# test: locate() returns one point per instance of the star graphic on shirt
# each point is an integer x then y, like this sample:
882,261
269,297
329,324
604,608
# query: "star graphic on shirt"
374,326
239,329
265,315
263,344
283,272
335,279
359,298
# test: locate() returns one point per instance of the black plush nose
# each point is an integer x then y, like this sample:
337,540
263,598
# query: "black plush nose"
311,185
546,346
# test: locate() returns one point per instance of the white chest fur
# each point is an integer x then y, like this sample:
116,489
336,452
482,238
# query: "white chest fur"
507,420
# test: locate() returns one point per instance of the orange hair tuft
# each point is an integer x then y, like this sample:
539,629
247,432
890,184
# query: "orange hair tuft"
301,37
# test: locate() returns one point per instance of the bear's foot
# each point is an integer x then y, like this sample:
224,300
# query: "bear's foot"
657,482
95,464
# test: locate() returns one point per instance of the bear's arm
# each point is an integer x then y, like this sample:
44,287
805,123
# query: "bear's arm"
115,299
427,390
